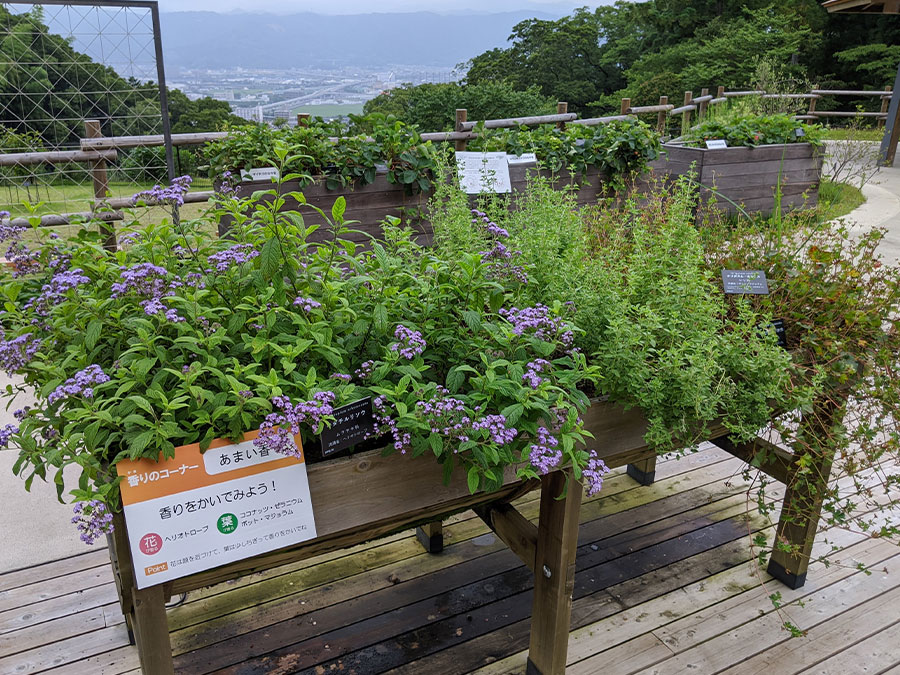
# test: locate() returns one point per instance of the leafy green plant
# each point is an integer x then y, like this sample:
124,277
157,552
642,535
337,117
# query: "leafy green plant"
751,131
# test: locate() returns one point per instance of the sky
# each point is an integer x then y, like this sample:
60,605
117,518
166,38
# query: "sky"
367,6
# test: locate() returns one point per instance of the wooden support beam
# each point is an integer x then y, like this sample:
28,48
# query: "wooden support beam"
625,108
461,115
772,460
643,470
101,183
151,630
508,122
513,529
431,536
562,108
802,506
554,577
55,157
661,117
594,121
885,102
704,100
686,112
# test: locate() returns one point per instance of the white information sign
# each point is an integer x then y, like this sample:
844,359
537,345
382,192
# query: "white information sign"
199,510
481,172
525,158
717,144
265,173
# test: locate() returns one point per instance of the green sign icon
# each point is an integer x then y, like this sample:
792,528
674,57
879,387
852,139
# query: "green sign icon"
228,523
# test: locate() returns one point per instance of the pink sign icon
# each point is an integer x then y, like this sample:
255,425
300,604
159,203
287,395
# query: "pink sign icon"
151,544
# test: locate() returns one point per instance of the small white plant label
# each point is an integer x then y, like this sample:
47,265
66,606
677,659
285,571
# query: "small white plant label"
481,172
718,144
265,173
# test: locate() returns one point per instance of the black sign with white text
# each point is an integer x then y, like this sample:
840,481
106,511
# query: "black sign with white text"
352,424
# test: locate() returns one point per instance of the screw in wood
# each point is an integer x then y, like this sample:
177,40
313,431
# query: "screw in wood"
547,572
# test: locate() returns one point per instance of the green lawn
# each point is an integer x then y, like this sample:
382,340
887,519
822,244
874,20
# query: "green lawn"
59,198
839,134
838,199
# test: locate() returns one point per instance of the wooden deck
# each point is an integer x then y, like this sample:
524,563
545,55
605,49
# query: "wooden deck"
664,584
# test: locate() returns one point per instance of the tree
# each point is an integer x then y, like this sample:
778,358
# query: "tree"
204,114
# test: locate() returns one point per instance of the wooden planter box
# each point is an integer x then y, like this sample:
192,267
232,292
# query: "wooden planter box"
749,176
371,204
367,495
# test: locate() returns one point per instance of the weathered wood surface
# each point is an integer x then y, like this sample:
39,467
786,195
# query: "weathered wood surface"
659,593
749,177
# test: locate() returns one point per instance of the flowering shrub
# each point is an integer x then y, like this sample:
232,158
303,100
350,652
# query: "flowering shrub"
179,338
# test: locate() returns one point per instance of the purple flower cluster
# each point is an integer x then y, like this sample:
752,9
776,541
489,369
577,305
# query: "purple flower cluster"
533,370
79,385
365,370
147,281
172,195
8,231
16,353
410,342
594,472
93,520
226,184
52,292
23,260
343,377
494,230
545,454
245,393
538,322
497,429
385,424
231,257
306,304
446,415
6,433
277,431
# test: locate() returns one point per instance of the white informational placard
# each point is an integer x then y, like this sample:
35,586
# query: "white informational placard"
199,510
481,172
524,158
265,173
717,144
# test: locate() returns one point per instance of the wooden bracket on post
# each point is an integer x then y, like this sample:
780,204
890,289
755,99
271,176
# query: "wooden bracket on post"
101,184
772,460
461,116
885,101
625,107
513,529
554,575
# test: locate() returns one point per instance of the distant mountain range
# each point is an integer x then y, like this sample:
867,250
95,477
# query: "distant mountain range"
253,40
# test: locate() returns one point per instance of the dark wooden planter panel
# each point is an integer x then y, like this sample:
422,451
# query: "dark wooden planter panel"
749,176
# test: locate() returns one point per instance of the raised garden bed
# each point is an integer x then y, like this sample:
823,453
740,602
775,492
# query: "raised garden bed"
749,176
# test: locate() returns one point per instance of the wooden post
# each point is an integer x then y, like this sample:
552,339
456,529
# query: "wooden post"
701,113
554,574
101,184
123,572
686,115
662,117
644,471
152,631
562,107
431,536
302,119
812,106
461,115
884,107
803,498
626,104
720,92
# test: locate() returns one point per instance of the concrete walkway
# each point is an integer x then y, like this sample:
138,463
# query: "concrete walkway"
38,529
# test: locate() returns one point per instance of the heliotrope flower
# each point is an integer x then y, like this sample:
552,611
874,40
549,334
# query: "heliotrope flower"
172,195
277,431
410,342
93,519
594,472
545,454
80,384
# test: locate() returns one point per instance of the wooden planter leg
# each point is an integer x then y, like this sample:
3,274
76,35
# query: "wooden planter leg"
644,471
803,500
431,536
120,558
554,574
152,631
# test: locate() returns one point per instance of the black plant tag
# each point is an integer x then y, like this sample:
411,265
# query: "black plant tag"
352,424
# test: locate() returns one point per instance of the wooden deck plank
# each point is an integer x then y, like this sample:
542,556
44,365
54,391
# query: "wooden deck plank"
64,651
52,631
38,612
52,588
500,562
746,641
51,570
114,662
852,637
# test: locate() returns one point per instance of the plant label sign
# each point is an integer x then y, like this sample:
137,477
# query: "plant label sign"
483,172
525,158
718,144
738,282
199,510
265,173
353,423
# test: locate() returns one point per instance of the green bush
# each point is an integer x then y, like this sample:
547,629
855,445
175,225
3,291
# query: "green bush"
751,131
